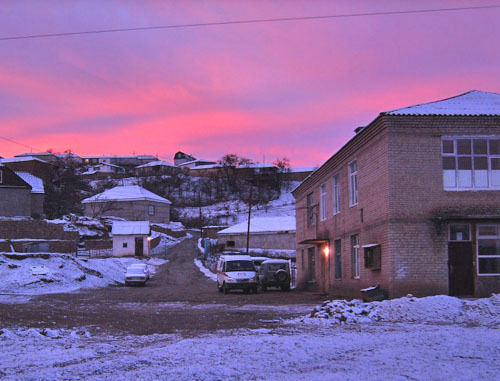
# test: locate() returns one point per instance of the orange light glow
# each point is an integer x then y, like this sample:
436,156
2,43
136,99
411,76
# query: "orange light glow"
326,250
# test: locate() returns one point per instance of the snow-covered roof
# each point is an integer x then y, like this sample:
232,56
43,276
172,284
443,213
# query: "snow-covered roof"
263,225
471,103
207,166
257,165
155,163
303,169
20,159
130,228
126,193
35,182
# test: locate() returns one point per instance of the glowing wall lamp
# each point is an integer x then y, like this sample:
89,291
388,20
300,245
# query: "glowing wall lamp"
326,250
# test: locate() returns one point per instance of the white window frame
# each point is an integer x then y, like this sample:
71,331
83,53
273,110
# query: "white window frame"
353,182
497,237
322,202
456,155
151,210
336,194
355,258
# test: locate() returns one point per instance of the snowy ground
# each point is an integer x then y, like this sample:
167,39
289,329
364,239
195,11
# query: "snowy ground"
373,352
34,274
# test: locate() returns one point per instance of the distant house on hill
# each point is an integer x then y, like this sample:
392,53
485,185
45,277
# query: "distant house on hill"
157,167
126,161
37,167
131,202
131,238
275,234
181,157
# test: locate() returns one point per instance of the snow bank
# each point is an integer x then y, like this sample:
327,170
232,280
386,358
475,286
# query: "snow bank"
433,309
204,270
47,273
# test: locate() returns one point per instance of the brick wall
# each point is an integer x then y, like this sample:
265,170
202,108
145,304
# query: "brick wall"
279,241
15,202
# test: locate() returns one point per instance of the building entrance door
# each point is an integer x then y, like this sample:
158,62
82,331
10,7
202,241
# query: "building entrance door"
139,246
460,268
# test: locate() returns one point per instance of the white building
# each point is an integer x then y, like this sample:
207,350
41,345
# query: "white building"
131,238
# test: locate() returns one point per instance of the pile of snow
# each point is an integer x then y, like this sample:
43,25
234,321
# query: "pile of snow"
85,226
44,273
172,225
210,275
431,309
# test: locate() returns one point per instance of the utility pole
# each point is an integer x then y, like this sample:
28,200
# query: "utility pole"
250,202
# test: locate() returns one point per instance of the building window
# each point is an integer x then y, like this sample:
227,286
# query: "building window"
151,210
459,232
1,177
471,163
338,259
353,183
230,244
336,194
322,202
312,264
125,245
310,210
488,250
355,256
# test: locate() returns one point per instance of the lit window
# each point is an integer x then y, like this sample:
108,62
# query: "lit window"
471,163
353,183
322,202
488,250
336,195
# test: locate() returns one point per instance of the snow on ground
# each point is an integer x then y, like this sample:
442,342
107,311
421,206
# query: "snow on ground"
45,273
440,309
204,270
373,352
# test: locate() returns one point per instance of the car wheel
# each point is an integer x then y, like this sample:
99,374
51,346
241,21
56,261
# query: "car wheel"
225,290
219,288
256,289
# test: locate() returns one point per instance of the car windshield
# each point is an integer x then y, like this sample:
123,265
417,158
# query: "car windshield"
240,266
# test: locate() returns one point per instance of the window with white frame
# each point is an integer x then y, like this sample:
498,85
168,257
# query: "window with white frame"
356,269
310,210
151,210
488,250
471,163
322,202
353,183
336,194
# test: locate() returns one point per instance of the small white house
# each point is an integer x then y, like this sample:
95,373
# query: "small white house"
131,238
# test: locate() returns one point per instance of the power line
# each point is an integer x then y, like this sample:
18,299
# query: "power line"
21,144
237,22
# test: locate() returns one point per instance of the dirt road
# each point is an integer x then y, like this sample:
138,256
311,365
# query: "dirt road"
179,298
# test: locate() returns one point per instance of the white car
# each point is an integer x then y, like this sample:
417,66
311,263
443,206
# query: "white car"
142,266
135,276
236,272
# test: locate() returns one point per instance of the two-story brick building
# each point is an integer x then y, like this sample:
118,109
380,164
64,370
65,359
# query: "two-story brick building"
411,202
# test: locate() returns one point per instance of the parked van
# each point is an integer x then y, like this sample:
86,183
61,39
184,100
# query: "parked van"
236,272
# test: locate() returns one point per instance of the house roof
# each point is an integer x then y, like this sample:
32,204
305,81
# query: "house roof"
262,225
35,182
21,159
155,163
126,193
130,228
471,103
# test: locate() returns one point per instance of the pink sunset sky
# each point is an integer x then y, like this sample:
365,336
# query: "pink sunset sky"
296,89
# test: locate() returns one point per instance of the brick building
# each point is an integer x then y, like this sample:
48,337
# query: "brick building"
411,202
